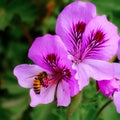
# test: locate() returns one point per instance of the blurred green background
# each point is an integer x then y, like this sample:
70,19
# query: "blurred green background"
21,21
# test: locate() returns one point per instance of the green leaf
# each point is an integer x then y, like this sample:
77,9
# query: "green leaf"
44,112
25,9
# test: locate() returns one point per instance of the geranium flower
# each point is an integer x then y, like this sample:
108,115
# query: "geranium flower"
91,40
51,77
111,88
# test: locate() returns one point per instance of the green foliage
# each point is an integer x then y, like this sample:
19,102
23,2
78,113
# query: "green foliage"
20,22
110,8
23,8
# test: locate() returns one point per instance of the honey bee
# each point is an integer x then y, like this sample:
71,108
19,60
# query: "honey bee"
38,81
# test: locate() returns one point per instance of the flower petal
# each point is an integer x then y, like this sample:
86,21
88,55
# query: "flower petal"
73,82
46,96
108,87
63,94
25,74
81,75
116,70
73,86
74,13
116,100
102,39
99,70
43,46
118,52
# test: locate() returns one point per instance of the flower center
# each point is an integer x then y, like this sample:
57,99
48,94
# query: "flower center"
83,48
62,73
59,72
66,73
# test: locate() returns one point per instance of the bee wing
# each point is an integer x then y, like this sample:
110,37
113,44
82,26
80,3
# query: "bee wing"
32,76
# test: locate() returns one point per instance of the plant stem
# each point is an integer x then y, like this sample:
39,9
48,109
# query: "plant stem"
102,108
73,106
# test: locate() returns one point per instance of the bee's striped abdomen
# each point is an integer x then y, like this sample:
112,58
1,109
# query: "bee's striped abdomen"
36,86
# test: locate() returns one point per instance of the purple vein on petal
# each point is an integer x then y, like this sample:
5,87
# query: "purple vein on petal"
95,42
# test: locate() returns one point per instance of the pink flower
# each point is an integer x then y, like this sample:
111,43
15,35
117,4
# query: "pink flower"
111,88
51,77
91,40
